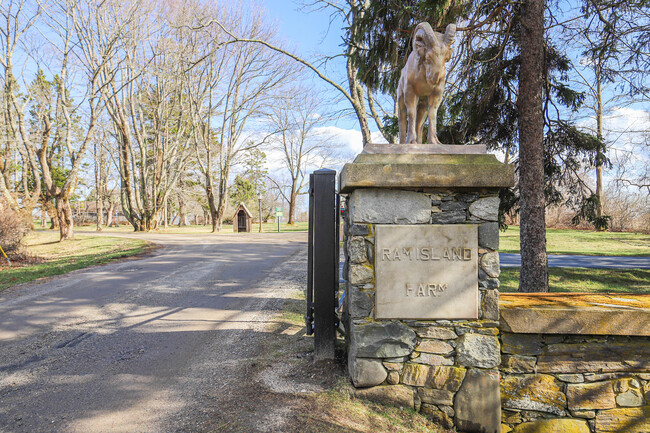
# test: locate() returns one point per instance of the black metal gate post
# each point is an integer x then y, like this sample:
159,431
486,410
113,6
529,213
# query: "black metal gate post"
322,285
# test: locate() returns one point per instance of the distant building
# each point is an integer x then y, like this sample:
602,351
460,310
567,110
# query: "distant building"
242,221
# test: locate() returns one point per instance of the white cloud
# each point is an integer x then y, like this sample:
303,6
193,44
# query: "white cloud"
351,139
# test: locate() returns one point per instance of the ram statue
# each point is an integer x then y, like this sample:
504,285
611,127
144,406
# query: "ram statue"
422,81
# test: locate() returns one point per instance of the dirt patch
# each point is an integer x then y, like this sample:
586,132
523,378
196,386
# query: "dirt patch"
18,260
281,389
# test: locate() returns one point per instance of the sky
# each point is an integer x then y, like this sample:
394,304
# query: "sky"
310,33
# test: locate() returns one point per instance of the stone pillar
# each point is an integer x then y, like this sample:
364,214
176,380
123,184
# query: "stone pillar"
422,268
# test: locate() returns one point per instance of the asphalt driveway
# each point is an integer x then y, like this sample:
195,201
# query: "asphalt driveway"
141,345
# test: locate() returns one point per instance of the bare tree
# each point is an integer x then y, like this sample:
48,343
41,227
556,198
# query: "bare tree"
232,88
60,128
17,18
300,140
355,93
143,90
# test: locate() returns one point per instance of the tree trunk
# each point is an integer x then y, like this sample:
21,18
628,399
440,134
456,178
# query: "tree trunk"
100,211
51,211
166,214
534,262
99,186
217,219
66,220
599,156
109,216
182,211
292,206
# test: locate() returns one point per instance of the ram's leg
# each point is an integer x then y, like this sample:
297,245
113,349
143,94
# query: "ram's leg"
401,117
421,118
411,113
434,102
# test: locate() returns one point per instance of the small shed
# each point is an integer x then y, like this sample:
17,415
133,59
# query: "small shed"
242,221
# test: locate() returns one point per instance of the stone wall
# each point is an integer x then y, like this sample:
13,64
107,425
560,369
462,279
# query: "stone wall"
435,367
559,367
575,383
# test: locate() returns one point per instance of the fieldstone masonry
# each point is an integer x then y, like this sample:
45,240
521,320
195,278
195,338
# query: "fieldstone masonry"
542,363
437,367
578,373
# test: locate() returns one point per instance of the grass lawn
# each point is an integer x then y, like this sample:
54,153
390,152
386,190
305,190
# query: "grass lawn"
226,228
61,257
582,242
586,280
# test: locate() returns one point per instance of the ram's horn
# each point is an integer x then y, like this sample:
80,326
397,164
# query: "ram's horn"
425,32
450,34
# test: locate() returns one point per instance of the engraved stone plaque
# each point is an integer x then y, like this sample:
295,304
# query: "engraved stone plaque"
426,271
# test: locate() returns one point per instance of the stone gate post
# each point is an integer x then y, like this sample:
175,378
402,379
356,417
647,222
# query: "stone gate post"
422,277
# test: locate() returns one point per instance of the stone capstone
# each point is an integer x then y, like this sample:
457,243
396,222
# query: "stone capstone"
393,395
476,414
488,236
387,206
359,274
553,426
486,208
382,340
477,350
627,420
357,249
367,372
538,392
422,170
360,303
490,264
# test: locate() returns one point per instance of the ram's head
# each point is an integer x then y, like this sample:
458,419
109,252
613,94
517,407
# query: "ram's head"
433,50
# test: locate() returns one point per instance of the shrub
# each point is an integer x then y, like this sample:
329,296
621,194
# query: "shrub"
12,230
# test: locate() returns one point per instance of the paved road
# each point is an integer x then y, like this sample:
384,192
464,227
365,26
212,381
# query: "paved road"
569,261
135,345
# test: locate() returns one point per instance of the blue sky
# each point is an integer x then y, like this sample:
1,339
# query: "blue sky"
310,35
